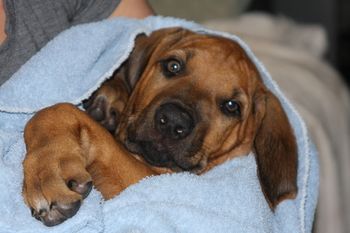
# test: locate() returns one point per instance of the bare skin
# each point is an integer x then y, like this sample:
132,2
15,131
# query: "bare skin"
2,22
133,9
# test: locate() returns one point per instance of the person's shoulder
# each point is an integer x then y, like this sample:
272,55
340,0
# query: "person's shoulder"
85,11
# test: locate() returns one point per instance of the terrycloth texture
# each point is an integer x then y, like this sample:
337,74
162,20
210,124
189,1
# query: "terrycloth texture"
317,91
226,199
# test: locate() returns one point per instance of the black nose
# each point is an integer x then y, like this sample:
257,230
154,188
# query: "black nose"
173,121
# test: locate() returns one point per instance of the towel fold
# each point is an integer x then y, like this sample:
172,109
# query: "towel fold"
226,199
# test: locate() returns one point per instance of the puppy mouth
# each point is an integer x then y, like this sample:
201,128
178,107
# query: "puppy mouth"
156,154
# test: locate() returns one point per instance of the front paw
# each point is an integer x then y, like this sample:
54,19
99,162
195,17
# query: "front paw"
102,109
54,189
107,103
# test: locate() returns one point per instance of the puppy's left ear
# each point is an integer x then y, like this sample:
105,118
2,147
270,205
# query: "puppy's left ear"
275,150
138,59
144,48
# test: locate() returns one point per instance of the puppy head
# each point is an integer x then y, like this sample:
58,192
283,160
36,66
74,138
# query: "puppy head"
198,101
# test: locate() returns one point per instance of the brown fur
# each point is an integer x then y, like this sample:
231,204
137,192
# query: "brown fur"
64,144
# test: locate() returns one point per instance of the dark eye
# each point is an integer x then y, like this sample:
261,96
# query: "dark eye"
231,108
172,67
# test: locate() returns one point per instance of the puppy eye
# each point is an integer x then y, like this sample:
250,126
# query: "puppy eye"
172,67
231,108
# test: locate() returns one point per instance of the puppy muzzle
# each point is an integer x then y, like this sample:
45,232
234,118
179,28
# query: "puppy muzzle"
166,136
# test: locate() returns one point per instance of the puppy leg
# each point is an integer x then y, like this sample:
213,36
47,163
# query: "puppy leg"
66,150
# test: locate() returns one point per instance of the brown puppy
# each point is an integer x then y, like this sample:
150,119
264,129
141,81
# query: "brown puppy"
182,102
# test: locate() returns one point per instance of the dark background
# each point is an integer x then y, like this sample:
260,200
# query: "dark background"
334,15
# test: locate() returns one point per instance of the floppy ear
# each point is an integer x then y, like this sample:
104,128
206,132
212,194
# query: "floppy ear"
144,48
275,150
138,59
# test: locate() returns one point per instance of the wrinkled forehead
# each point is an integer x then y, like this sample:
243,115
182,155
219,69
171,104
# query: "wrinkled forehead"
214,62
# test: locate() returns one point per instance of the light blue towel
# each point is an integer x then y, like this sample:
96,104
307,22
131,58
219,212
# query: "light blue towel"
226,199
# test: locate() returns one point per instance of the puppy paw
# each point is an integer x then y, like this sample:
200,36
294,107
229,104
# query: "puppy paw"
54,188
107,103
101,108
